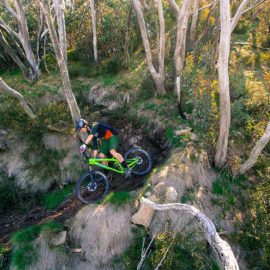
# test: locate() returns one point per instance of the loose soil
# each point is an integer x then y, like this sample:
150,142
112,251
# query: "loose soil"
155,144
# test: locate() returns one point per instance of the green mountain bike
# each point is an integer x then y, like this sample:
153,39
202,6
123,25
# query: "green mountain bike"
94,185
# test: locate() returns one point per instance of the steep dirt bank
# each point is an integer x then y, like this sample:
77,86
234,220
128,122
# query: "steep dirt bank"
155,143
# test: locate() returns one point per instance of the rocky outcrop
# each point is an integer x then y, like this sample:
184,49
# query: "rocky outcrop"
107,97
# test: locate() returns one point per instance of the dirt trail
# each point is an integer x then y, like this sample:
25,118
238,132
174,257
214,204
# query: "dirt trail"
155,144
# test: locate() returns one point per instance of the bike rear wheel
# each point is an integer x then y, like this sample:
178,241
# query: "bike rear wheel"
92,187
141,160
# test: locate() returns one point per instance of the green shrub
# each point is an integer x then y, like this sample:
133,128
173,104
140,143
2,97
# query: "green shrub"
24,252
186,252
118,198
147,88
228,188
53,199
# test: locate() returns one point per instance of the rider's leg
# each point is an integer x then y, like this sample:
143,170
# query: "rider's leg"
120,158
101,155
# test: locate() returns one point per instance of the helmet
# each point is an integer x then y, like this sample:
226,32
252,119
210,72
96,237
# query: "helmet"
81,123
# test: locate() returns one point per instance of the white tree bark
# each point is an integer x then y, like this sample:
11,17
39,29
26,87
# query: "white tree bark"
158,77
238,14
256,151
194,20
60,17
221,247
180,47
94,28
22,35
223,81
72,103
5,88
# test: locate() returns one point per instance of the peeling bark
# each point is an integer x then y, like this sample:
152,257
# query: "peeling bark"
5,88
256,151
222,249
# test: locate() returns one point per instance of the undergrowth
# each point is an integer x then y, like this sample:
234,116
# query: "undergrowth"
182,253
24,252
53,199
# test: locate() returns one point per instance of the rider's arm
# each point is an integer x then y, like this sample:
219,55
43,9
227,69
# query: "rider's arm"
89,139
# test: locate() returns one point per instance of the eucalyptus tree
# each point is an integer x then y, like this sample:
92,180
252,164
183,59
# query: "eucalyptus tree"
48,9
182,15
20,33
5,88
158,76
94,28
227,26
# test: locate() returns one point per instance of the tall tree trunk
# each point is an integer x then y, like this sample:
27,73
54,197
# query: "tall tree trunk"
194,20
180,47
256,151
58,5
223,81
221,248
72,103
5,88
94,28
157,77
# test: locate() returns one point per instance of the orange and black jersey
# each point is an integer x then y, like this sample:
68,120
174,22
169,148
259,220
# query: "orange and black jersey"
102,131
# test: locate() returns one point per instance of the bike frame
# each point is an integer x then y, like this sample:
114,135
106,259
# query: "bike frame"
98,162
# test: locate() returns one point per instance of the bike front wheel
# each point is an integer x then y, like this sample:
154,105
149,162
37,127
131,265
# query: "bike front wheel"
92,187
139,161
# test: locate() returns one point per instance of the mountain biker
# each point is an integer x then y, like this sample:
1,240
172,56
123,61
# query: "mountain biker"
109,141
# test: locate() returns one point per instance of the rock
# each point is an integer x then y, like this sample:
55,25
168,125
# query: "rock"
144,215
59,238
97,95
147,194
171,195
77,250
102,96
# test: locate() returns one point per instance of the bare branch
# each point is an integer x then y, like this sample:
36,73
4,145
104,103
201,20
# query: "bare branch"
256,151
221,247
5,88
209,5
10,31
10,9
238,14
145,253
254,6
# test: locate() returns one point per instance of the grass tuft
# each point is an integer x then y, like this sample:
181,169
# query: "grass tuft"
53,199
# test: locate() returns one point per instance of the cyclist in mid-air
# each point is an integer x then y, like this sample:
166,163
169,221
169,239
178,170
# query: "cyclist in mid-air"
109,141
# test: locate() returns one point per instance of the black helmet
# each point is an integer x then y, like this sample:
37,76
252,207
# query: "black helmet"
81,123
